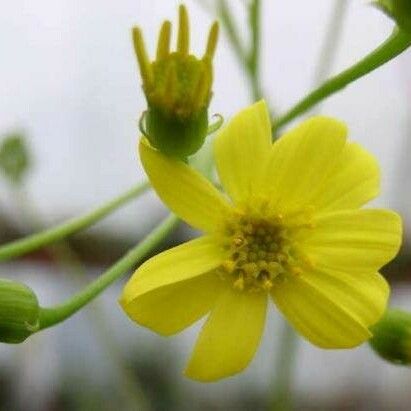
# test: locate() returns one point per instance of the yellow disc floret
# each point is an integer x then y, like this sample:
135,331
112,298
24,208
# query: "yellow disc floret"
261,251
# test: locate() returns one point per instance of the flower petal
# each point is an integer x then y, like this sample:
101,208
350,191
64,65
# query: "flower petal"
230,337
180,263
354,180
364,296
353,240
185,191
168,310
241,150
318,316
300,160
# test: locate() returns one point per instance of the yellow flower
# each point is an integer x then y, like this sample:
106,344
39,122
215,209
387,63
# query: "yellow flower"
290,231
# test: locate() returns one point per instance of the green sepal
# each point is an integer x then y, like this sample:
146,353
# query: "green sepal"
19,312
392,337
174,136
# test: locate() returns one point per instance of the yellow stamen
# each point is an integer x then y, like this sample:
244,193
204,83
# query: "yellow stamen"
183,39
239,283
228,266
142,58
238,241
163,45
212,41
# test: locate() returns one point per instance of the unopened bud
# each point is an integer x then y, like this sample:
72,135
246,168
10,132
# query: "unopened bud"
177,86
19,312
392,337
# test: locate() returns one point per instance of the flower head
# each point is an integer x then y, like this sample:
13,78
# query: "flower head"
177,86
290,230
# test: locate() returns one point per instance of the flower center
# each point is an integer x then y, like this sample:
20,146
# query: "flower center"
260,253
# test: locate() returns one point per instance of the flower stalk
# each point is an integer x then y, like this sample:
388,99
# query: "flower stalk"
46,237
397,43
54,315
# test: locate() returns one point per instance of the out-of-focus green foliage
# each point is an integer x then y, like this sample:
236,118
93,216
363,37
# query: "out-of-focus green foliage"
14,158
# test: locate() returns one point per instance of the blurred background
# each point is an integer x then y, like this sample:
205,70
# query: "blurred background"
70,85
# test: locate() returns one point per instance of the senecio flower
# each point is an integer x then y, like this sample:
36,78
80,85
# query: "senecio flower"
290,230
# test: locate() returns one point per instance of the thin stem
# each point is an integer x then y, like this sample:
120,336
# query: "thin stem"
331,39
254,57
289,342
43,238
57,314
248,59
397,43
67,259
254,17
284,369
232,32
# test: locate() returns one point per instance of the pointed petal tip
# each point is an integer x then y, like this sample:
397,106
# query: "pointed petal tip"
164,38
212,41
183,39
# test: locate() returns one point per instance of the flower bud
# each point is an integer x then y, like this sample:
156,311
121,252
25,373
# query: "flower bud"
392,337
19,312
177,86
398,10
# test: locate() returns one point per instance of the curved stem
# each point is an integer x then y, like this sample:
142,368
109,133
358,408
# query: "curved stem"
54,315
130,387
398,42
38,240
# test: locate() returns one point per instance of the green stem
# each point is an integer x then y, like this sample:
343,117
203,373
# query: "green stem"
289,342
331,39
254,57
38,240
129,385
397,43
284,370
254,17
57,314
231,28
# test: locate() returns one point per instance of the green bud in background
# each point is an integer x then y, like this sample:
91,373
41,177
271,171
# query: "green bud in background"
398,10
392,337
14,158
177,86
19,312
